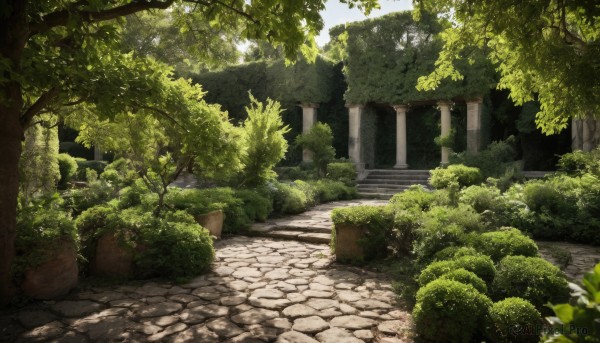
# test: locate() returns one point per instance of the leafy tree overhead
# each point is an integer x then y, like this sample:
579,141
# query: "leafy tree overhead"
546,50
59,52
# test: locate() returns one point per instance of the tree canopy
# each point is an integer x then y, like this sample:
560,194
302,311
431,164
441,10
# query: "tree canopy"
546,50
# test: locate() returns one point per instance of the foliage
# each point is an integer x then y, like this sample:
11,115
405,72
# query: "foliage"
385,56
468,278
318,140
578,321
39,168
83,166
328,190
289,199
263,141
579,162
414,197
512,320
97,192
493,161
257,205
375,220
67,166
463,175
552,55
530,278
506,242
480,265
481,198
294,173
342,171
41,226
449,311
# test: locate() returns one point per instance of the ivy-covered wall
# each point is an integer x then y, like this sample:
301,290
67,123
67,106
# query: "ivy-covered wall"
385,57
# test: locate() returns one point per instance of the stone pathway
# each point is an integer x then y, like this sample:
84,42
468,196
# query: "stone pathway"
260,290
312,226
574,259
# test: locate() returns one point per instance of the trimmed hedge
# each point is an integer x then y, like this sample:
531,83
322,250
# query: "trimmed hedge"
456,173
511,320
507,241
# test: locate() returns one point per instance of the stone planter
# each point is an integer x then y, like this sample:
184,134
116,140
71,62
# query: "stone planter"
54,277
111,259
212,221
346,242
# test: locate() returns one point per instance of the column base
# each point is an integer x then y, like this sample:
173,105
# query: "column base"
401,166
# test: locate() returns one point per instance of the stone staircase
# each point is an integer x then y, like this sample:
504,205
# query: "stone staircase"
383,183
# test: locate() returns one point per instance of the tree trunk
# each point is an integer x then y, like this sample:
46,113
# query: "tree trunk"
11,134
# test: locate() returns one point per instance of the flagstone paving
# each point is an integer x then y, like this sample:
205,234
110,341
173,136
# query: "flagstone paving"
574,259
259,290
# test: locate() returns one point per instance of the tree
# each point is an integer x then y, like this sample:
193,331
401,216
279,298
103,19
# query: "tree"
546,50
58,53
318,140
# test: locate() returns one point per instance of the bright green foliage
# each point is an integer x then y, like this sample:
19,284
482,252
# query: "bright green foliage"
39,169
289,199
377,222
450,253
41,226
579,162
318,140
461,174
468,278
67,167
493,161
449,311
530,278
545,50
582,313
342,171
481,265
507,241
513,320
328,190
385,56
256,204
481,198
263,142
83,166
414,197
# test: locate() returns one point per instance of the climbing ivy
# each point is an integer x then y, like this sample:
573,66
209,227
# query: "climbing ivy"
386,56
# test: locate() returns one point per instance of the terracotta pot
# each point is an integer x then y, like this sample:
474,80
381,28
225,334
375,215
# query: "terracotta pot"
212,221
54,277
346,242
112,259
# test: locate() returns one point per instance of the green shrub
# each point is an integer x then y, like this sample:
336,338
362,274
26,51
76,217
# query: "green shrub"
309,190
584,313
98,192
507,241
329,190
449,311
120,173
511,321
83,165
463,175
402,236
480,265
415,196
294,173
580,162
493,161
289,199
173,250
342,171
540,196
256,205
318,140
67,166
41,226
530,278
468,278
377,222
481,198
434,270
453,252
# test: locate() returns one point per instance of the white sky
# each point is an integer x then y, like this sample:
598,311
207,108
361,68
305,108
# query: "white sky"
337,13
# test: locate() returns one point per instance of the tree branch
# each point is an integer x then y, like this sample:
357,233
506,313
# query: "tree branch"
44,100
61,18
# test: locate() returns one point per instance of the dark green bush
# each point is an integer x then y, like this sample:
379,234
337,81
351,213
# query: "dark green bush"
416,196
434,270
507,241
329,190
120,173
449,311
41,226
294,173
468,278
257,205
289,199
513,320
453,252
530,278
83,165
342,171
67,166
377,220
402,235
174,249
493,161
481,265
580,162
481,198
455,173
98,192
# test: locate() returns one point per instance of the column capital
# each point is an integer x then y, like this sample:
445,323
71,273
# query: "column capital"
349,105
400,107
478,100
442,103
309,105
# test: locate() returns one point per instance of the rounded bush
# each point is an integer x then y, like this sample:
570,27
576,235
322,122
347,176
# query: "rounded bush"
435,270
481,198
510,321
531,278
459,173
482,266
449,311
67,165
507,241
468,278
432,237
415,196
453,252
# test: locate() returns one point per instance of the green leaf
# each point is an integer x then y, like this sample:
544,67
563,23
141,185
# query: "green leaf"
564,312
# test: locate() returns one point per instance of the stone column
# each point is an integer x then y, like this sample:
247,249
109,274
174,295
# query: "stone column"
445,121
474,109
309,118
354,140
589,133
98,155
576,134
400,136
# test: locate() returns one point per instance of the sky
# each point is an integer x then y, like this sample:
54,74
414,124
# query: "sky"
336,13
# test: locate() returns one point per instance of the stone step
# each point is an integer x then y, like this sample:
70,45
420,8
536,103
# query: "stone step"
398,171
392,182
383,196
296,235
399,177
379,186
267,227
